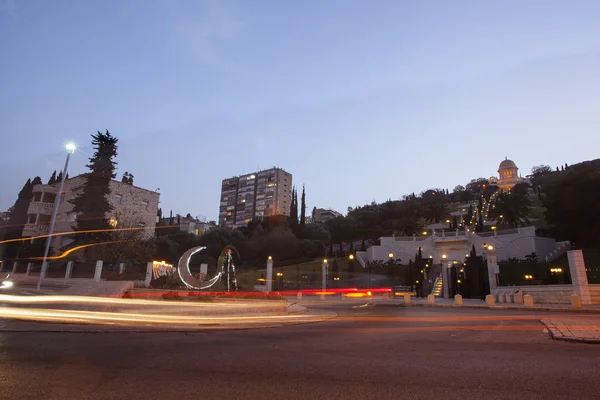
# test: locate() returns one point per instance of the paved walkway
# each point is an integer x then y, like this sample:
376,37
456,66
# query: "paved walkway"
449,303
574,330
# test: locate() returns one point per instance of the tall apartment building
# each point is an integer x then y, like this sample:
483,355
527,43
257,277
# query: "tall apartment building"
132,207
255,195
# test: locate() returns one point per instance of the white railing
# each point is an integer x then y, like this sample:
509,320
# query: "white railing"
36,228
562,248
40,207
361,260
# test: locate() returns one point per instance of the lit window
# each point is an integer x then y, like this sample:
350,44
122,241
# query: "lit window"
113,222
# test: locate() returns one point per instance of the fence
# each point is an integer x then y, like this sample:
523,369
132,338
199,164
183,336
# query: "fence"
84,270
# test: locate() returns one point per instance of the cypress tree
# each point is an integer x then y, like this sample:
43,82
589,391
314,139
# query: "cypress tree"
303,208
52,179
18,218
92,205
59,177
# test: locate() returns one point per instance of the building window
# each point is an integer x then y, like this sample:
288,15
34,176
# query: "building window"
113,222
145,205
142,224
118,199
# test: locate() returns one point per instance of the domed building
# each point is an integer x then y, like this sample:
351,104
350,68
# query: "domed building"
508,174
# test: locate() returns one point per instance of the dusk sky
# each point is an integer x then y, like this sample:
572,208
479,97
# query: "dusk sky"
358,100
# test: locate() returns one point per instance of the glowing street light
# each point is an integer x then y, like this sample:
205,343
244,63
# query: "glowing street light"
391,255
444,256
70,148
351,256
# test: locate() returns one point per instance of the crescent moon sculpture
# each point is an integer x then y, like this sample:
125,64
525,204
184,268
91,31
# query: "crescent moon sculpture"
183,269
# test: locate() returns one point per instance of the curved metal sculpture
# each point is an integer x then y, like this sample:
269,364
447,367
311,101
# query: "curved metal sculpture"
183,269
227,266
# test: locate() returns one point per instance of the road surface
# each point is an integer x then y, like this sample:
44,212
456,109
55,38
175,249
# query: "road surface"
365,353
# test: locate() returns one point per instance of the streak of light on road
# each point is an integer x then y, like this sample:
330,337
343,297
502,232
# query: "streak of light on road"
102,317
87,300
153,312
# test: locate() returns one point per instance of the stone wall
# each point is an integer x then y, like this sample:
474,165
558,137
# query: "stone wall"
543,294
595,293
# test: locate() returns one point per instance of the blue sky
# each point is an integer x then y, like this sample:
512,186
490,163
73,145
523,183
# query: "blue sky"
359,100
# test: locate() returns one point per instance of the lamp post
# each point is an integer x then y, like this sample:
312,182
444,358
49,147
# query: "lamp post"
269,280
70,148
324,267
390,270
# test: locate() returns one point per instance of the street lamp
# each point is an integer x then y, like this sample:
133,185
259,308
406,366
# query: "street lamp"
351,256
70,148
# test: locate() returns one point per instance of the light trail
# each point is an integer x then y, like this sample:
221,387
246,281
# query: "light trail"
58,299
153,312
83,246
103,317
21,239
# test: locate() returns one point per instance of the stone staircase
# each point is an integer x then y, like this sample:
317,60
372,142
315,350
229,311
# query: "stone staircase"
560,249
437,286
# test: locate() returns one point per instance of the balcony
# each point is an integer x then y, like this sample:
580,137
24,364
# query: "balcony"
40,207
35,229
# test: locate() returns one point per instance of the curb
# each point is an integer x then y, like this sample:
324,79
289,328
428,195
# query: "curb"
512,308
555,334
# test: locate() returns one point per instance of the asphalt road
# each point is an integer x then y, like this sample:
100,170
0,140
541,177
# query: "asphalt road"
365,353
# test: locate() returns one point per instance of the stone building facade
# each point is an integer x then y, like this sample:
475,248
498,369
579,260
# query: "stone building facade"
133,207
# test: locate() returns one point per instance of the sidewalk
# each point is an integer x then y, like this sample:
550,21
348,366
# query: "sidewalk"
474,303
574,330
446,303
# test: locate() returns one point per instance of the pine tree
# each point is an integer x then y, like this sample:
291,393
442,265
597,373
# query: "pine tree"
92,205
52,179
303,208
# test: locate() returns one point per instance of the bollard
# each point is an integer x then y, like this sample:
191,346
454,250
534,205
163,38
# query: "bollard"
299,296
430,299
28,271
98,271
489,300
458,300
407,298
528,301
14,270
69,269
386,296
342,296
322,297
575,301
121,268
